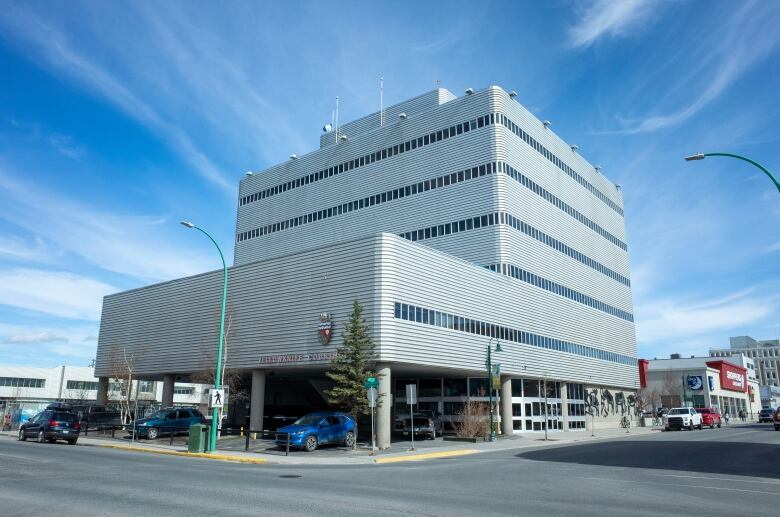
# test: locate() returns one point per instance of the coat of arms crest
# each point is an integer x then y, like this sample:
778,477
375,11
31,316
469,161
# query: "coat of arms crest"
325,327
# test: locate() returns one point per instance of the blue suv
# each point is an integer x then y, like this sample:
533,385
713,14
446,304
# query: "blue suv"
166,421
315,429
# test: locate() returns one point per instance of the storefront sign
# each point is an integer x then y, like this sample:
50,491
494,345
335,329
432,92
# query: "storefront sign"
695,382
297,358
732,378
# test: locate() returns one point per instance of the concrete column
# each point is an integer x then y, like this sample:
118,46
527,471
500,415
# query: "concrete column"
257,400
384,423
169,380
506,405
565,406
102,391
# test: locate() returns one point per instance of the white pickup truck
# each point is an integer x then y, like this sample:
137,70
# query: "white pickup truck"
681,418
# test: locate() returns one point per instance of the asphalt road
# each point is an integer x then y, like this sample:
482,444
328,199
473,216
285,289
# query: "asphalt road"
731,471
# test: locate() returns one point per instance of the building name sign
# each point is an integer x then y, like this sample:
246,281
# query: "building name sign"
297,358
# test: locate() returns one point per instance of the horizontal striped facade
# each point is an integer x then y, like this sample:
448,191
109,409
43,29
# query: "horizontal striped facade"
476,182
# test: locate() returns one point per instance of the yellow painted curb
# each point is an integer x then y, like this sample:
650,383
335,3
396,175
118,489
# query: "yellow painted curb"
426,456
208,456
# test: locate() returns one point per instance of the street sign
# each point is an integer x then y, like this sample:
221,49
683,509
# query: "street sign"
411,394
371,382
372,395
217,397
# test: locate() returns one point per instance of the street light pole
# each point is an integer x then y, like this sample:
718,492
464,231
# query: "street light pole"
490,385
218,373
701,156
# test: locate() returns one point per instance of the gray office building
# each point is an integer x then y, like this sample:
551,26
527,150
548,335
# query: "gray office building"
454,221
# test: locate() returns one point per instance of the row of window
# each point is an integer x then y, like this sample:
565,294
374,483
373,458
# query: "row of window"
81,385
495,218
425,316
514,128
554,287
183,390
377,199
554,243
382,154
531,185
22,382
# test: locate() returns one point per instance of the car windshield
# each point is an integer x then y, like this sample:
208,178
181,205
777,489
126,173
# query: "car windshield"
157,415
679,411
308,420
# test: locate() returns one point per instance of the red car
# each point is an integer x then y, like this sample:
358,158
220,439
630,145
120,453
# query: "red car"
709,416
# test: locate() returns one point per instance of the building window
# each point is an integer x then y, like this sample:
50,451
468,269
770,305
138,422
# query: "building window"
454,387
22,382
81,385
147,387
183,390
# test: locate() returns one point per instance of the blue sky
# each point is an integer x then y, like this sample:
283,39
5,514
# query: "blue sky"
117,120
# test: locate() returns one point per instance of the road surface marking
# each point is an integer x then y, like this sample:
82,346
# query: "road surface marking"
426,456
774,493
718,479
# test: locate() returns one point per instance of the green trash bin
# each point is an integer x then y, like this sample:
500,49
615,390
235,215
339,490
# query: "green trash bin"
198,438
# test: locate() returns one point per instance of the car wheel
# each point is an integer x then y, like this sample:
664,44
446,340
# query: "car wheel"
41,437
433,433
72,442
349,440
690,426
152,433
310,444
777,428
666,428
700,426
22,437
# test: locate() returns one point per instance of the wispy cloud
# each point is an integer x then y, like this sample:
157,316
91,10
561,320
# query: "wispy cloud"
55,50
720,59
113,241
675,319
603,18
28,250
53,292
35,337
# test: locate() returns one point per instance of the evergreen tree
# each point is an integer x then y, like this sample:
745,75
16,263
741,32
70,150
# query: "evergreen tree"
352,366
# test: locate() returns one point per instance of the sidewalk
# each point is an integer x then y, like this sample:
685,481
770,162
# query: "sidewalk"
232,448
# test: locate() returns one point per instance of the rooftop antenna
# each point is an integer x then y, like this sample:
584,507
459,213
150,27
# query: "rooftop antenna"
438,83
337,119
381,101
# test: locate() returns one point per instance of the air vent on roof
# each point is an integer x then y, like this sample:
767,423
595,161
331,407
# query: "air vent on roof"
546,124
512,94
574,147
249,173
598,168
402,116
469,91
293,156
343,138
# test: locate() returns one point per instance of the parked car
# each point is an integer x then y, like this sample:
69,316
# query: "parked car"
765,415
50,426
776,419
426,423
710,416
682,417
315,429
166,421
94,415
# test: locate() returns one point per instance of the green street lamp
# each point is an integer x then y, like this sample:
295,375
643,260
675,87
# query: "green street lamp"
701,156
218,374
490,385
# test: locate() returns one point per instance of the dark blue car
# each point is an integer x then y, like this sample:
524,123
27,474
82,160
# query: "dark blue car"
315,429
166,421
50,426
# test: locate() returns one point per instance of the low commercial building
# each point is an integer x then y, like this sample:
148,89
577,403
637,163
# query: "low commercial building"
765,353
458,224
24,391
700,382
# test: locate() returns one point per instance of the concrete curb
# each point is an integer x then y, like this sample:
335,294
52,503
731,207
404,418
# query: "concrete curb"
426,456
208,456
